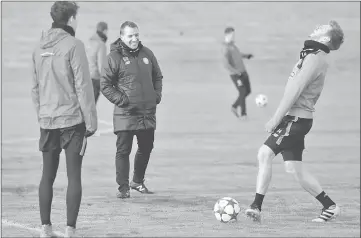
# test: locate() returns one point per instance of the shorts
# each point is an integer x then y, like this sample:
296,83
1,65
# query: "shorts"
69,138
289,137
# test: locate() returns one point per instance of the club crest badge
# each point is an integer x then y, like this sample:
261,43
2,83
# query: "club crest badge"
126,60
146,61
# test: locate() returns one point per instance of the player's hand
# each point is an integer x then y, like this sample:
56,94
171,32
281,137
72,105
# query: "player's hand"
249,56
239,83
271,125
89,133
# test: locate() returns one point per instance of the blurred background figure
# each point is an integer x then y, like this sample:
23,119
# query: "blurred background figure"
97,53
233,61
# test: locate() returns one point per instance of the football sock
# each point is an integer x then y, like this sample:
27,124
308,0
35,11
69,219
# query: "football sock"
258,200
325,200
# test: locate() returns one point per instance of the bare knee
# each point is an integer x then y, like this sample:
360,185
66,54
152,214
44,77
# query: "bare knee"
265,155
295,168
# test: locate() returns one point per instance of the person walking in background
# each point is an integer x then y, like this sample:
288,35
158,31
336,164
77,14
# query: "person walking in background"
132,81
63,96
233,61
97,54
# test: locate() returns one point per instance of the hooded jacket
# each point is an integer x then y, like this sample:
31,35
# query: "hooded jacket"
133,82
62,91
96,52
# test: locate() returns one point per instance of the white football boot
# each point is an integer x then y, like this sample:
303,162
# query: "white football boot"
328,214
69,232
46,231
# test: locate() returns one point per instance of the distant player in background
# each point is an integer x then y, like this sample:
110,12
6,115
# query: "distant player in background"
97,54
62,93
233,61
293,120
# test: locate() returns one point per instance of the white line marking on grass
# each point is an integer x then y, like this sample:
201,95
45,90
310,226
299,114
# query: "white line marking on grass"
22,226
24,139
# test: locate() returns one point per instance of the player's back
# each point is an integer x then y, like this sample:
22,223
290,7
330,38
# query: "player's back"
314,68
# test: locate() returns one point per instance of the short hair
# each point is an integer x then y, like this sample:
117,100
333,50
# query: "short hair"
229,30
102,26
127,24
62,11
336,35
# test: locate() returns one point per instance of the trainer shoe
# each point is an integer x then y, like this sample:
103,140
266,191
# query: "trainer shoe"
69,232
243,117
46,231
235,111
328,214
123,194
254,213
140,187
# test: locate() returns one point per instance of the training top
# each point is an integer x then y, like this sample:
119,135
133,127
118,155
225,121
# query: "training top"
304,86
233,59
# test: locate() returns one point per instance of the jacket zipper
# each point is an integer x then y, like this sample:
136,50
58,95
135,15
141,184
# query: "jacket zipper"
141,83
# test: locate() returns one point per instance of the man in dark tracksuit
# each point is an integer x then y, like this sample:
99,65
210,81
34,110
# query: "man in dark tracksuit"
132,81
233,61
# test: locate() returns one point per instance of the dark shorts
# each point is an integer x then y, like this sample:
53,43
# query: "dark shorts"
289,137
69,138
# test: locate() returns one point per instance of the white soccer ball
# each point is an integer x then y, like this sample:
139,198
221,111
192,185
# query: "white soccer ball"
226,209
261,100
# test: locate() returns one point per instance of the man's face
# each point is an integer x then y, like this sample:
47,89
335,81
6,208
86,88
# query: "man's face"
130,37
320,32
105,32
229,37
73,22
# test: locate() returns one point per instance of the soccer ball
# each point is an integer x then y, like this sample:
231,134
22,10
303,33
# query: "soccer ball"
261,100
226,209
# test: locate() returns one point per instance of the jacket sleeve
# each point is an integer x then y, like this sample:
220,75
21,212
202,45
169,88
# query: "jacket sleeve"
83,85
107,82
35,88
101,57
157,78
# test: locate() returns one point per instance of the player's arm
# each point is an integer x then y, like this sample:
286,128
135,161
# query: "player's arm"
295,86
247,56
226,62
83,86
35,88
107,80
157,78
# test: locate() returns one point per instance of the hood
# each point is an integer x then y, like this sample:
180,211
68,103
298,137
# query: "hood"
52,37
123,49
116,45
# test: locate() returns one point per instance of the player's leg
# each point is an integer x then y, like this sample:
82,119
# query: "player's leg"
246,83
294,166
72,141
265,158
244,92
237,83
49,144
145,146
96,87
242,100
122,166
266,154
